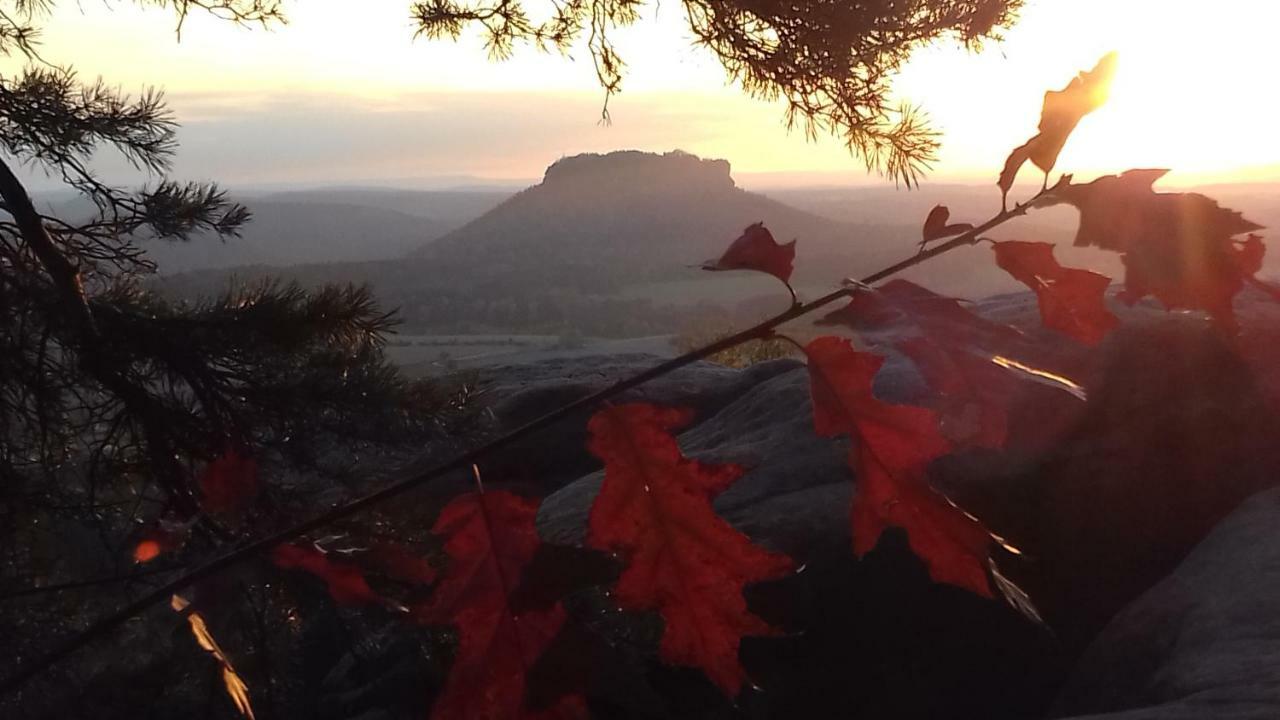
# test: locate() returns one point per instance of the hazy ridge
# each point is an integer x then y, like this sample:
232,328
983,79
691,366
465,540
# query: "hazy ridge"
607,245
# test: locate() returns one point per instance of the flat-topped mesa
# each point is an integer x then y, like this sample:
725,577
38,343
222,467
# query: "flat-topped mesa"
635,170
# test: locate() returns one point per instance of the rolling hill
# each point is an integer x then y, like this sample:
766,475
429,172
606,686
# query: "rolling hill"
288,233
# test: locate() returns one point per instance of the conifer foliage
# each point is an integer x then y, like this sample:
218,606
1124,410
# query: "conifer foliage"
132,416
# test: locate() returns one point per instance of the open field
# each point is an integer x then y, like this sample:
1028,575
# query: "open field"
420,355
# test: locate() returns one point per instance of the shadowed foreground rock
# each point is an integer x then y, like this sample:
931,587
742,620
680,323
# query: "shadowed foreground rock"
1204,642
1106,498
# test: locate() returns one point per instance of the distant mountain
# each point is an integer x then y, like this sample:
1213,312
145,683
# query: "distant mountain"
289,233
448,209
330,225
643,216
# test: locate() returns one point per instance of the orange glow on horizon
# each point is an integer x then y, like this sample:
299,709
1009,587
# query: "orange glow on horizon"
1191,92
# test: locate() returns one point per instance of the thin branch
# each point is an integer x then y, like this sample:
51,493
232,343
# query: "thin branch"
77,584
461,462
65,275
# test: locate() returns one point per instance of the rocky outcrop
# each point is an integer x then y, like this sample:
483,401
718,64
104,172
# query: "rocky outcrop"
630,170
1105,498
1204,642
556,456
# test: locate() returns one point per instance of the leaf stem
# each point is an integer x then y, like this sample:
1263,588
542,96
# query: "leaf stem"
466,459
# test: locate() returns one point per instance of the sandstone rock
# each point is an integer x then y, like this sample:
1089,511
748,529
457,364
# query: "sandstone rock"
554,456
1204,642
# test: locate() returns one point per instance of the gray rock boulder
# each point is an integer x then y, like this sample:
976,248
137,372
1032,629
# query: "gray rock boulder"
1204,642
796,491
552,457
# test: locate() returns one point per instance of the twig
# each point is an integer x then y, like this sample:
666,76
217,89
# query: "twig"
27,592
465,460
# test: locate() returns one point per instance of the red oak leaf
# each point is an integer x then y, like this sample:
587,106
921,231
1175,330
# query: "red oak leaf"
681,559
1062,111
975,391
893,446
953,544
936,227
398,562
1178,247
947,351
346,582
146,550
166,534
1072,301
901,302
229,482
490,539
756,250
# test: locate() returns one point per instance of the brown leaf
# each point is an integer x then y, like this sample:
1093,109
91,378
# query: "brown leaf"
1062,111
1072,301
756,250
1012,165
936,227
1178,247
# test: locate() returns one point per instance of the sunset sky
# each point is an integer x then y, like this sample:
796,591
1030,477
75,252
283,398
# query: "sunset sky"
346,96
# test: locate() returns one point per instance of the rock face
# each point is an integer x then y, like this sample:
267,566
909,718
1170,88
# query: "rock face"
1105,498
1204,642
630,170
1181,427
552,458
864,637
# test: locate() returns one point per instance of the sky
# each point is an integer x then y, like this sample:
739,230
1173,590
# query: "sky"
339,96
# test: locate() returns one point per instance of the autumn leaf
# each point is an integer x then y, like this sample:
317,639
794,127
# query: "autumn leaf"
975,391
949,349
1178,247
347,584
490,539
902,302
229,482
237,691
1061,112
936,227
1012,165
1072,301
1248,256
681,559
398,562
756,250
953,544
146,550
166,534
892,448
